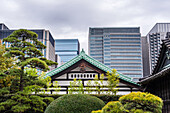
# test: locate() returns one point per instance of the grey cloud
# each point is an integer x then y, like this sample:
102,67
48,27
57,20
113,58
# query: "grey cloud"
72,18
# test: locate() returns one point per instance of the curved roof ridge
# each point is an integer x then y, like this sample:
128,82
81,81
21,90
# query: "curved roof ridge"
106,68
92,61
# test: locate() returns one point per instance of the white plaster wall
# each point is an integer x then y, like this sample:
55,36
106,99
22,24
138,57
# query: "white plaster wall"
62,77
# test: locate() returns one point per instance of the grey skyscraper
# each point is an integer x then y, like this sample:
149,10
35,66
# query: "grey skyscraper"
118,48
145,56
154,37
43,35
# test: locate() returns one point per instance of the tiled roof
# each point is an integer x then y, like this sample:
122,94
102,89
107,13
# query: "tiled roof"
92,61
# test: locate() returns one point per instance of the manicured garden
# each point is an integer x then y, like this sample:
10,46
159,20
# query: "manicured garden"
22,90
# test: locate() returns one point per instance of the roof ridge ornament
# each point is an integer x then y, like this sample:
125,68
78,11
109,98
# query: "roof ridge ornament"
82,51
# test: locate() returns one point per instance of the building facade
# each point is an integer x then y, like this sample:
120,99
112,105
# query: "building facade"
67,49
85,68
118,48
43,35
154,37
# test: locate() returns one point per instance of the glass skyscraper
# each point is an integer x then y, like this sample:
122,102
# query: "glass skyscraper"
118,48
43,35
67,49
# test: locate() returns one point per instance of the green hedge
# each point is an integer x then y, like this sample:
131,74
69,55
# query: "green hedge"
75,103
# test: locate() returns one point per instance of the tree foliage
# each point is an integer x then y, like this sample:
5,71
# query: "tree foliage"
113,80
97,85
27,50
22,102
5,62
25,46
6,66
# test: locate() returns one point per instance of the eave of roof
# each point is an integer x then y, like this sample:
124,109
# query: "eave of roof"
92,61
157,75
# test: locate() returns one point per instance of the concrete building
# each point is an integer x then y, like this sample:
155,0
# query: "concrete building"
118,48
58,60
43,35
67,49
154,37
145,56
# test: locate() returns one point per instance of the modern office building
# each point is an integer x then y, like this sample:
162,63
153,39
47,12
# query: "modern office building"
67,49
154,37
43,35
118,48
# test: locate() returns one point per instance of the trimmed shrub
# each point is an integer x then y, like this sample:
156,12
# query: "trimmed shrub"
76,103
114,107
135,102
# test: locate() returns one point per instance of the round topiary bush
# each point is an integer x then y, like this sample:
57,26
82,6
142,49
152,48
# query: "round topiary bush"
75,103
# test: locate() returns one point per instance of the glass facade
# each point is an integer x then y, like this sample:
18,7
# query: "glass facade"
67,49
118,48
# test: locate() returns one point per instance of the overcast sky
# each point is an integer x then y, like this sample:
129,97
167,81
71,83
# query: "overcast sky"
72,18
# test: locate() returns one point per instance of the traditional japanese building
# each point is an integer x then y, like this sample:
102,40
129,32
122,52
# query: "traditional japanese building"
85,68
158,83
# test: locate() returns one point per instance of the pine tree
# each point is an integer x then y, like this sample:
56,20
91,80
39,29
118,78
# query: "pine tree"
25,46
